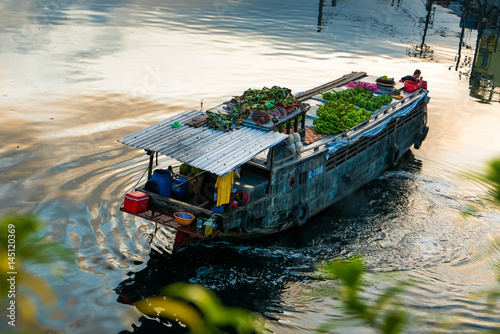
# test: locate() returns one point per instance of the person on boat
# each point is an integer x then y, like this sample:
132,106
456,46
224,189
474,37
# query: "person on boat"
415,77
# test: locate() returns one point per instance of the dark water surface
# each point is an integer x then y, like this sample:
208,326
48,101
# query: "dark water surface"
77,75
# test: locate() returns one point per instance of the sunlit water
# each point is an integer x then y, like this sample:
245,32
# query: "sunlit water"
77,75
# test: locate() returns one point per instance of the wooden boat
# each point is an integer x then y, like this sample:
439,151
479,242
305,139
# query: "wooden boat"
276,190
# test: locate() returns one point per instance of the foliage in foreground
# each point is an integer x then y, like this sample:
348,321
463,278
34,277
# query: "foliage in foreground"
21,246
200,310
492,177
383,314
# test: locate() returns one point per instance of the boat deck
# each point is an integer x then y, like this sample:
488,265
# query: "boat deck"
311,136
167,219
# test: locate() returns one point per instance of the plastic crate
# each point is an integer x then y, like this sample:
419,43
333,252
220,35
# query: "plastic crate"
180,191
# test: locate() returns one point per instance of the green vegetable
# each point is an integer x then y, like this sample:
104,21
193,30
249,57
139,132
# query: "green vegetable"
196,171
338,116
271,100
185,169
363,98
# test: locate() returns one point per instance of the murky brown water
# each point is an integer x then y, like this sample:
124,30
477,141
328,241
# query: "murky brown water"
77,75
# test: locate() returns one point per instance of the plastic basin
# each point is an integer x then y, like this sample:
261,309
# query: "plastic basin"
410,86
183,218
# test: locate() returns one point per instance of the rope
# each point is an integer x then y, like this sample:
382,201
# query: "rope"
139,180
152,236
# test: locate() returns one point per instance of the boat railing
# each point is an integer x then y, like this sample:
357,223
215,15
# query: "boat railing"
330,85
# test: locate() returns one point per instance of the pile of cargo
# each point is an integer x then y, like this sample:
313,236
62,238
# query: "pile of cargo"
338,116
260,105
361,97
348,108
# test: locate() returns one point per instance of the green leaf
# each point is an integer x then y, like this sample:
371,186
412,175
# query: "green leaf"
349,272
394,322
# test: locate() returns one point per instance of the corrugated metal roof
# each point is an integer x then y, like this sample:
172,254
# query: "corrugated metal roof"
205,148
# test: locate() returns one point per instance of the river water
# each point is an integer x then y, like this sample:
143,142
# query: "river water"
77,75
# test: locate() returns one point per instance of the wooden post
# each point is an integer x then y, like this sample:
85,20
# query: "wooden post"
271,157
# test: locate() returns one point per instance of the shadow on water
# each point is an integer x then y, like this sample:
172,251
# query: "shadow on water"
238,275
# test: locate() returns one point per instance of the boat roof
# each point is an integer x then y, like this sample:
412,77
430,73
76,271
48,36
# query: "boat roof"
203,147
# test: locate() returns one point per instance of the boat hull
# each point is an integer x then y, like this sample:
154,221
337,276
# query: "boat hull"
295,189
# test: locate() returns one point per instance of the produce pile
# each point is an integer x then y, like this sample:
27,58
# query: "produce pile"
363,98
385,80
346,109
261,105
189,171
269,99
338,116
224,122
363,85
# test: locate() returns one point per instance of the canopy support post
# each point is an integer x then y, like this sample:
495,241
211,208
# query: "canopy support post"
151,160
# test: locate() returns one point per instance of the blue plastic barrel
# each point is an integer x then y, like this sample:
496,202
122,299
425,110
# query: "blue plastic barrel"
163,178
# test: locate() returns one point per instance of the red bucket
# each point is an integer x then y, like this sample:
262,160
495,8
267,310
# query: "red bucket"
410,86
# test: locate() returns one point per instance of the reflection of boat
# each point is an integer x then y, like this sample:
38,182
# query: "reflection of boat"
283,190
485,72
483,67
423,50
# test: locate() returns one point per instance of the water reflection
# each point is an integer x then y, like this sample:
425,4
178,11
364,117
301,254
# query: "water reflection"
240,276
484,65
423,50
